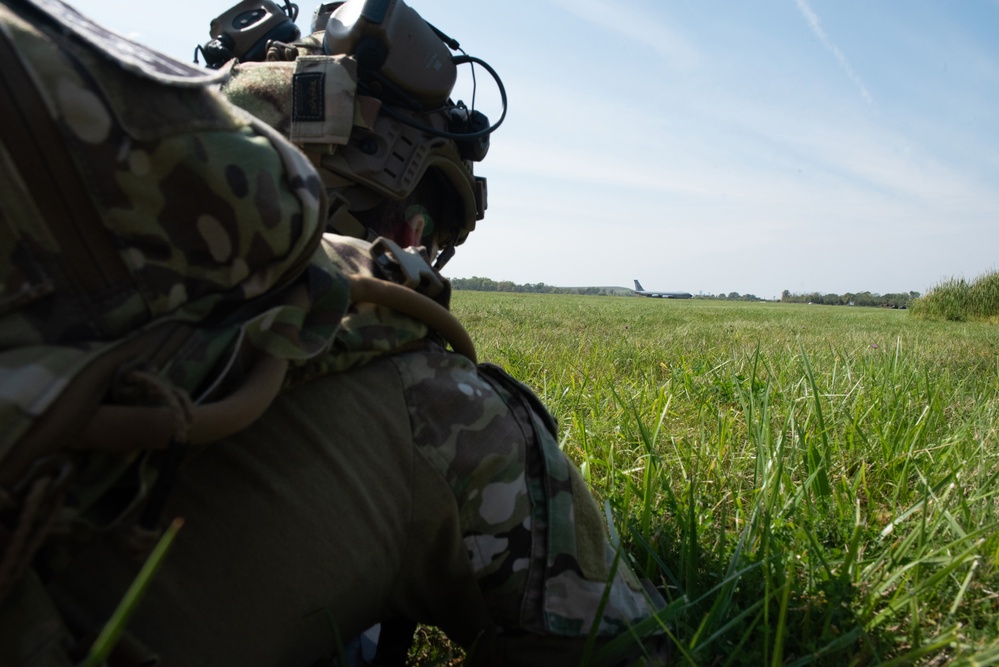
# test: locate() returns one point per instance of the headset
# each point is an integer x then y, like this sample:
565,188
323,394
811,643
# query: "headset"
244,30
402,59
405,63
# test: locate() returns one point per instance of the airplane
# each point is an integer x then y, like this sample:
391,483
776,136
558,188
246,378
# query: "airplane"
639,290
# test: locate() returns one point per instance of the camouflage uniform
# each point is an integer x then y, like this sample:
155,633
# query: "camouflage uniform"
390,477
414,484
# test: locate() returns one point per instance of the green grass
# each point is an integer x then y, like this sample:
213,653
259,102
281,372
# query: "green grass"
959,300
805,484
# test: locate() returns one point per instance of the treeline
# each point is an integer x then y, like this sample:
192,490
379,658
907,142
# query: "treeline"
477,284
731,296
870,299
852,299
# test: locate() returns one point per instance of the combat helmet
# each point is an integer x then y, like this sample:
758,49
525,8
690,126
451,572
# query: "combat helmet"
414,135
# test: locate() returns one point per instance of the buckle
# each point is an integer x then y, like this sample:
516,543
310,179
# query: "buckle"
408,267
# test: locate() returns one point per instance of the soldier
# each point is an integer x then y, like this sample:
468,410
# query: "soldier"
390,477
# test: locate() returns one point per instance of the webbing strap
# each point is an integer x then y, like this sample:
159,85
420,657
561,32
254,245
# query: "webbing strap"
39,150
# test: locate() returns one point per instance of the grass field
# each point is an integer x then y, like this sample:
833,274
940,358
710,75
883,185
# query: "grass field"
805,484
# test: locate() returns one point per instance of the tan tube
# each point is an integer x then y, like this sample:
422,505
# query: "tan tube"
364,289
128,428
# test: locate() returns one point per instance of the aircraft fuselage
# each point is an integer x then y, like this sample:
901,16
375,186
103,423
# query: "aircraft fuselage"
660,295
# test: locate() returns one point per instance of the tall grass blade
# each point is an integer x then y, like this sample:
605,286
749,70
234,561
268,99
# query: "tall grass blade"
113,629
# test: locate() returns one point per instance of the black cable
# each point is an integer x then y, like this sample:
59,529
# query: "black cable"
450,41
456,136
475,85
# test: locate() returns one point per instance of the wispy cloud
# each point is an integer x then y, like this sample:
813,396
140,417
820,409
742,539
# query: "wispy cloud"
584,167
637,26
813,22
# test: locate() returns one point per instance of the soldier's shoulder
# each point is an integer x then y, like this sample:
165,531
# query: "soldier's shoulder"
123,52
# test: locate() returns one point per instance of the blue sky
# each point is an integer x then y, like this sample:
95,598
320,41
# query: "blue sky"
715,146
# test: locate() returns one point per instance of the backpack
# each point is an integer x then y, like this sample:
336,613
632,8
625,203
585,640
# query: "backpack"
159,269
162,267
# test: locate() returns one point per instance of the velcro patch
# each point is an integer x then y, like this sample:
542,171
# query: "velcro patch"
322,100
308,99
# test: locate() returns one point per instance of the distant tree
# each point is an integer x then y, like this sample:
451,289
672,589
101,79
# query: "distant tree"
478,284
852,299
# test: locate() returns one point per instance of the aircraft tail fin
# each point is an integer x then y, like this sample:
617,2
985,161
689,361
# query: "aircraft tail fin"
638,287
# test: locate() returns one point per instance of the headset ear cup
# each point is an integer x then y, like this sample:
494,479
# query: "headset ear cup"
244,30
218,52
475,149
370,54
462,121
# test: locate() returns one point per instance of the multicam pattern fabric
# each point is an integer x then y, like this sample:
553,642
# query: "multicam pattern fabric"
265,90
367,331
533,532
213,215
